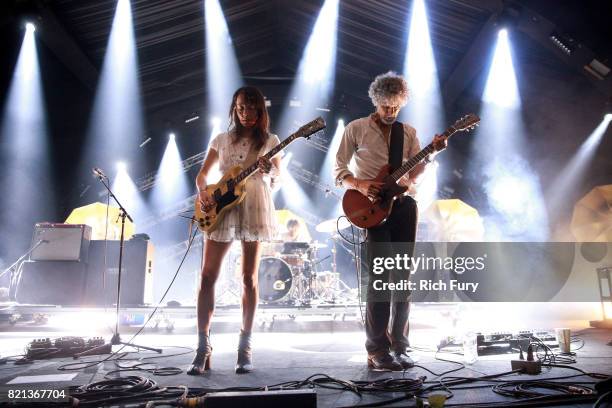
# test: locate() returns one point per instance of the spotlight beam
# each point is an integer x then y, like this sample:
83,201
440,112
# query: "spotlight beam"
171,185
512,188
501,88
116,125
424,111
25,164
223,74
572,175
316,72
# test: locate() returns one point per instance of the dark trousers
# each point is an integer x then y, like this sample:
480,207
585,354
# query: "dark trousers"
387,321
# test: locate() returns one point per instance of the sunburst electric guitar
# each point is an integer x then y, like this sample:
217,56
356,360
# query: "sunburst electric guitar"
366,213
229,191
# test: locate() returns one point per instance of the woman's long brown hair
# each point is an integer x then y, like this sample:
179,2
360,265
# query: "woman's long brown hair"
253,96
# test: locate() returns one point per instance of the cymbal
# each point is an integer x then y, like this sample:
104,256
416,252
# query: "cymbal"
329,226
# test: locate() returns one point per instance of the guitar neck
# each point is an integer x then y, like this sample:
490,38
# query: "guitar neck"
253,167
417,158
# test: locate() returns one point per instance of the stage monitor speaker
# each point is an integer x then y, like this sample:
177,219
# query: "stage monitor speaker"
51,283
136,273
61,242
262,399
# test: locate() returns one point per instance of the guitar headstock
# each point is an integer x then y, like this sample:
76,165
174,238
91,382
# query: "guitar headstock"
310,128
466,123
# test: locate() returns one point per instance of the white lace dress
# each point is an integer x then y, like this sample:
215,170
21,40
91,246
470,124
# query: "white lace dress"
254,219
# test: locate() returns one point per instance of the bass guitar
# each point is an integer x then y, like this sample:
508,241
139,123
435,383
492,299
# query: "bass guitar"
229,191
364,212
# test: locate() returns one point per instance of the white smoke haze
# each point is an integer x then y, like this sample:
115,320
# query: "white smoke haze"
516,200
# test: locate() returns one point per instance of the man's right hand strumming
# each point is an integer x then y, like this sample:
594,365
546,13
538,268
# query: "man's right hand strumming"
206,201
369,188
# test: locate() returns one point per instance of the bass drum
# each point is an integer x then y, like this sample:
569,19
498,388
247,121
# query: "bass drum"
275,280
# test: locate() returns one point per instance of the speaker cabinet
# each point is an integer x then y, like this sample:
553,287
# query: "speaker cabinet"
61,242
136,273
52,283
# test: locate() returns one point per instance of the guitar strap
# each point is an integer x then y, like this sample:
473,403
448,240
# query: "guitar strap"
396,146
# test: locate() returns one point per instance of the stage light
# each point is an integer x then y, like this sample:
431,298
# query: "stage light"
144,142
30,27
172,137
192,119
116,126
501,88
316,72
608,117
25,167
222,71
564,44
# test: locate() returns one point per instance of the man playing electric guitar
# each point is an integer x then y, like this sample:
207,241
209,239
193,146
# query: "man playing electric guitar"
368,141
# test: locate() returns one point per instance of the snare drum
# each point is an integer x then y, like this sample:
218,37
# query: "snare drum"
294,260
275,280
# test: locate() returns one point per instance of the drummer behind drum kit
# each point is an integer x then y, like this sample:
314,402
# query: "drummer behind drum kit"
289,274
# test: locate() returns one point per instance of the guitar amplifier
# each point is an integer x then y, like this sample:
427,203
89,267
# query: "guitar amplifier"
61,242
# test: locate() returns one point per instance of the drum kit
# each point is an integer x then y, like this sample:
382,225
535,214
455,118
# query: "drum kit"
289,273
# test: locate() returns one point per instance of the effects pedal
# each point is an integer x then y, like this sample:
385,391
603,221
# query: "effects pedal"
39,349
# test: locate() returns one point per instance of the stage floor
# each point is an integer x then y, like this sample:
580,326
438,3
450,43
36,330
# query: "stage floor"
286,355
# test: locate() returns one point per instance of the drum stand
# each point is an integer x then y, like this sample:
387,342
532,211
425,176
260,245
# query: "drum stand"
335,288
301,292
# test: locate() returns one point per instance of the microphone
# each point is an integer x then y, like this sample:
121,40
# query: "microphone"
98,173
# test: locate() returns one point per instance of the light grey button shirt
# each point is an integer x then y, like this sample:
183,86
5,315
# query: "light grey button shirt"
364,142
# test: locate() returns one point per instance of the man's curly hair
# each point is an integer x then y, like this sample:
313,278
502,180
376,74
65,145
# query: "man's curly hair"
389,89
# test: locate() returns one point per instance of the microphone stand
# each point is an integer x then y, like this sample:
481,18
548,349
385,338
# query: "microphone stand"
116,339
